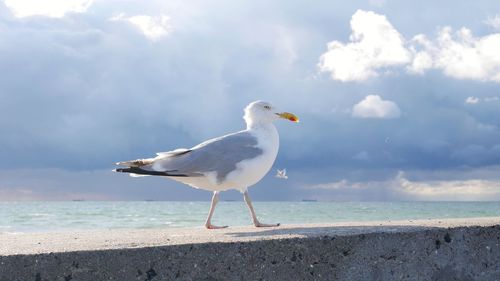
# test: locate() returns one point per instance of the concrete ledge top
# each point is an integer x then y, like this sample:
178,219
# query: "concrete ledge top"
39,243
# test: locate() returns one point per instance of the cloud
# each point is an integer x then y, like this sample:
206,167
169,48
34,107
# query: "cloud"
494,22
154,28
465,190
402,188
461,55
476,100
47,8
375,45
472,100
373,106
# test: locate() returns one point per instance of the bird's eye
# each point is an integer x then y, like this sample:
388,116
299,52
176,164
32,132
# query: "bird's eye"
267,107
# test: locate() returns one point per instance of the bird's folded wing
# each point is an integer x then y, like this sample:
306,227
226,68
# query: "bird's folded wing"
220,155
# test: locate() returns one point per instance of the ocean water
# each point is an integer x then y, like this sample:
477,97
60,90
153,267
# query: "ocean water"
20,217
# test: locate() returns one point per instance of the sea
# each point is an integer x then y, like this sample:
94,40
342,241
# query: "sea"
29,217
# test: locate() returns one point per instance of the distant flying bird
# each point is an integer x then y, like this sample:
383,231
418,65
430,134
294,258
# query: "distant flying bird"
281,174
234,161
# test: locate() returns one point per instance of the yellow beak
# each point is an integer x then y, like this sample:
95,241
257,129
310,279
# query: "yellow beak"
289,116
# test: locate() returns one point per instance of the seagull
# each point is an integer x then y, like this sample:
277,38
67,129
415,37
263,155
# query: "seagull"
281,174
234,161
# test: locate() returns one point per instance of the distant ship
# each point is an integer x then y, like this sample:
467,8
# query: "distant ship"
78,200
309,200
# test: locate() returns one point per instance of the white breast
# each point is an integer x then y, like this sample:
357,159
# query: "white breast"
249,172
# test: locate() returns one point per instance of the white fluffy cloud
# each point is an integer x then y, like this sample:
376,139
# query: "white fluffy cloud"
375,44
460,190
154,28
494,22
461,55
373,106
472,100
47,8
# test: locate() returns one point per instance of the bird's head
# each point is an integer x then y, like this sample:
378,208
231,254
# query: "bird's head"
264,112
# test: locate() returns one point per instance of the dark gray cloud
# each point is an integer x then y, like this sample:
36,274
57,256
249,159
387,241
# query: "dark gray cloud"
81,92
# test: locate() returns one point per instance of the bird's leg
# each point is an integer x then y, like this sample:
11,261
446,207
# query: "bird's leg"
252,212
208,223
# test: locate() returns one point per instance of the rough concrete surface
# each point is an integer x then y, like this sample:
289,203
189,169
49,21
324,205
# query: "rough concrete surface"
461,250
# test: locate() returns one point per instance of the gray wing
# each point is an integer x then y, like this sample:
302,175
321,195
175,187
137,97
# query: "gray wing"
220,155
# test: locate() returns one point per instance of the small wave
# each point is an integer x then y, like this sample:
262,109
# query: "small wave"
40,215
11,232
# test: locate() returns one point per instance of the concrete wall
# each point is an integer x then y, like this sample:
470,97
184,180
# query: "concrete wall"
462,254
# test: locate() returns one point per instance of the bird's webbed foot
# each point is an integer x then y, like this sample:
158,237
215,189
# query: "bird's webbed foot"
211,226
259,224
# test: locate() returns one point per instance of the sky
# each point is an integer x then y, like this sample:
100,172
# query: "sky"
398,100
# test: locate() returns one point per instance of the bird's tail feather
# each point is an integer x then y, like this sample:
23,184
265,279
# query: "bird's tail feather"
136,171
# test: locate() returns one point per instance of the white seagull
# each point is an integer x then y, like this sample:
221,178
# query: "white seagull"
234,161
281,174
